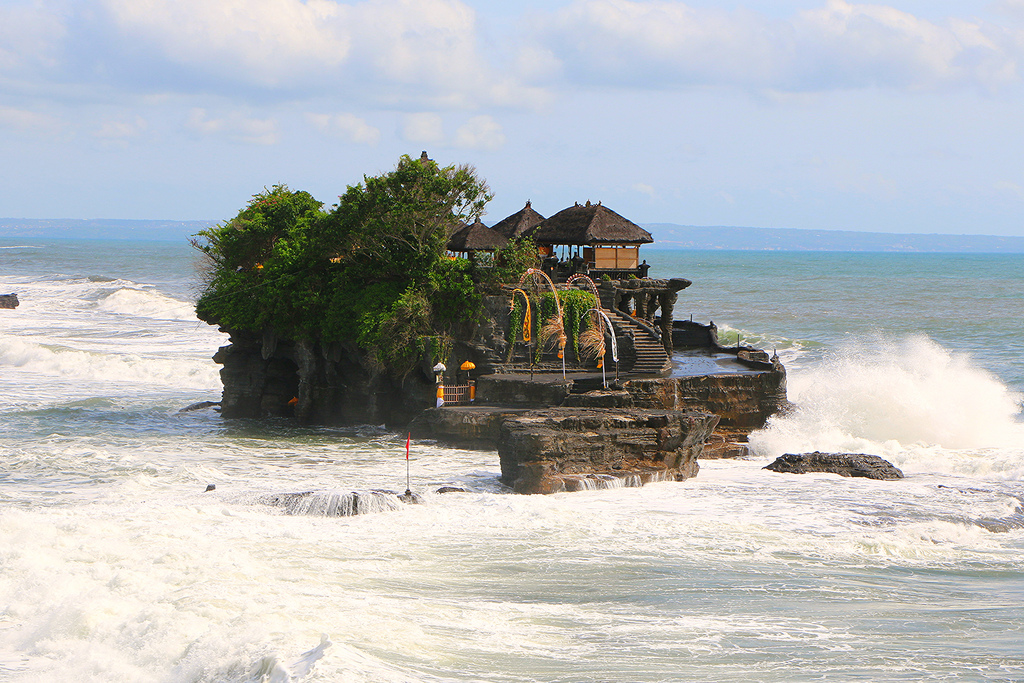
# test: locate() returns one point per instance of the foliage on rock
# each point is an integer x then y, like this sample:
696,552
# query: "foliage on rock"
371,270
575,319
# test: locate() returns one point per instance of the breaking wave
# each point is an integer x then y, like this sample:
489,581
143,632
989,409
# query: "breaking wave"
911,400
148,304
66,362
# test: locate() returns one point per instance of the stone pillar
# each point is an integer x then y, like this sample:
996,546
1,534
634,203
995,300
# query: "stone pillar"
667,302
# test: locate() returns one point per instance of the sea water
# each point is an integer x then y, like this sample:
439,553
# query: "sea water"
116,563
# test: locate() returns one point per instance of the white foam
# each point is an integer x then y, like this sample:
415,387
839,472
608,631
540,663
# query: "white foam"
51,360
146,303
910,399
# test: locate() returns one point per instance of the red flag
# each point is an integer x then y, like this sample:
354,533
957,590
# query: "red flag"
407,440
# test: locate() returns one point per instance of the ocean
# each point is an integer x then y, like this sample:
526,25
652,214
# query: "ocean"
116,563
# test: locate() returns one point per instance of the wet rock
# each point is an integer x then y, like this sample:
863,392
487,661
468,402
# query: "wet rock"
844,464
522,391
8,301
451,489
410,498
599,398
201,405
333,503
567,449
463,426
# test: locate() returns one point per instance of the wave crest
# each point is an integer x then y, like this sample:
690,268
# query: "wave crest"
147,304
888,396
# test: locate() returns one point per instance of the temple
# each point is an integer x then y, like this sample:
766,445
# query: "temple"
577,373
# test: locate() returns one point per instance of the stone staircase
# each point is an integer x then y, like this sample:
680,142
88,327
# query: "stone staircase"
650,352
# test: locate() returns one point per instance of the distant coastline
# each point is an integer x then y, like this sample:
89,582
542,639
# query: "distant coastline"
100,229
690,237
666,236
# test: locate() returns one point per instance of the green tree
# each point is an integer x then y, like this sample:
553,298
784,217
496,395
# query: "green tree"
372,270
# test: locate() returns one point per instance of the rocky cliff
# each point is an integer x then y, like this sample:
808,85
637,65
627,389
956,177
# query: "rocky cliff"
321,384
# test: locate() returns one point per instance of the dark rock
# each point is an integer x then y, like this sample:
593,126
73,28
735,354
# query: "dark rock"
522,391
741,400
410,498
451,489
845,464
8,301
199,406
264,375
599,398
333,503
566,449
464,426
210,487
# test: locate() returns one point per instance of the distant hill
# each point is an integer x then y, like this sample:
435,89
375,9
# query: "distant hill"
99,228
666,236
672,236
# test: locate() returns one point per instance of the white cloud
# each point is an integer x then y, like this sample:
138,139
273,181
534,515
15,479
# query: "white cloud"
644,188
30,35
1010,188
22,119
423,127
259,41
840,45
235,127
347,126
480,132
120,130
390,51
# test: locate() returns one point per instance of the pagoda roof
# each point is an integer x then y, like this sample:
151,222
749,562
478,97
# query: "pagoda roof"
588,225
518,223
476,237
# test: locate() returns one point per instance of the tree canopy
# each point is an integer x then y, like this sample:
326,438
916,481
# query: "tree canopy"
372,270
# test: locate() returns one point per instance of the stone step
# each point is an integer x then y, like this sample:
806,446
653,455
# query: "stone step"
650,356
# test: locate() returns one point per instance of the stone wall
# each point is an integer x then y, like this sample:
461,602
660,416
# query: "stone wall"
741,400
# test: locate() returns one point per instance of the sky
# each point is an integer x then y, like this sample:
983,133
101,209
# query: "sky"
903,116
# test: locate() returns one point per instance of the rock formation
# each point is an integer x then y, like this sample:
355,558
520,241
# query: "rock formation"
569,449
844,464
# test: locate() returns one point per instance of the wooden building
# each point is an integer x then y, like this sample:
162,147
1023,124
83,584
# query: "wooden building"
477,237
592,238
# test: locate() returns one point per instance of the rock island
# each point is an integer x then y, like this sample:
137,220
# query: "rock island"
541,337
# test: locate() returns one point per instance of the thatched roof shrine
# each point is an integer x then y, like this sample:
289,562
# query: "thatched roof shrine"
518,223
476,237
589,225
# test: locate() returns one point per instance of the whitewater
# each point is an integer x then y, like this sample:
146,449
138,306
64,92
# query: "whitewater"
117,563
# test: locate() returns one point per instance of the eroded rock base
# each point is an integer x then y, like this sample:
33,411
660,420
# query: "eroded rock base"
569,449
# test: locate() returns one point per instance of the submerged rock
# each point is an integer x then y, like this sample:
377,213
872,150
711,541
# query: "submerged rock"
334,503
844,464
201,405
451,489
410,498
8,300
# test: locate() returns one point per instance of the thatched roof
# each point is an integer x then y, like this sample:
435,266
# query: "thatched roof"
476,237
588,225
518,223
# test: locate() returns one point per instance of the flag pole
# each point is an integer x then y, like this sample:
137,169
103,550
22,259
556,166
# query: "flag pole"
408,488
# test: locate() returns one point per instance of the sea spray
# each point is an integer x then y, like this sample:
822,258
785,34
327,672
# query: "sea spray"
146,303
909,399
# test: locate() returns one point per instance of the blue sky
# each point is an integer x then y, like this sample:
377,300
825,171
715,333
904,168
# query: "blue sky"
820,114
